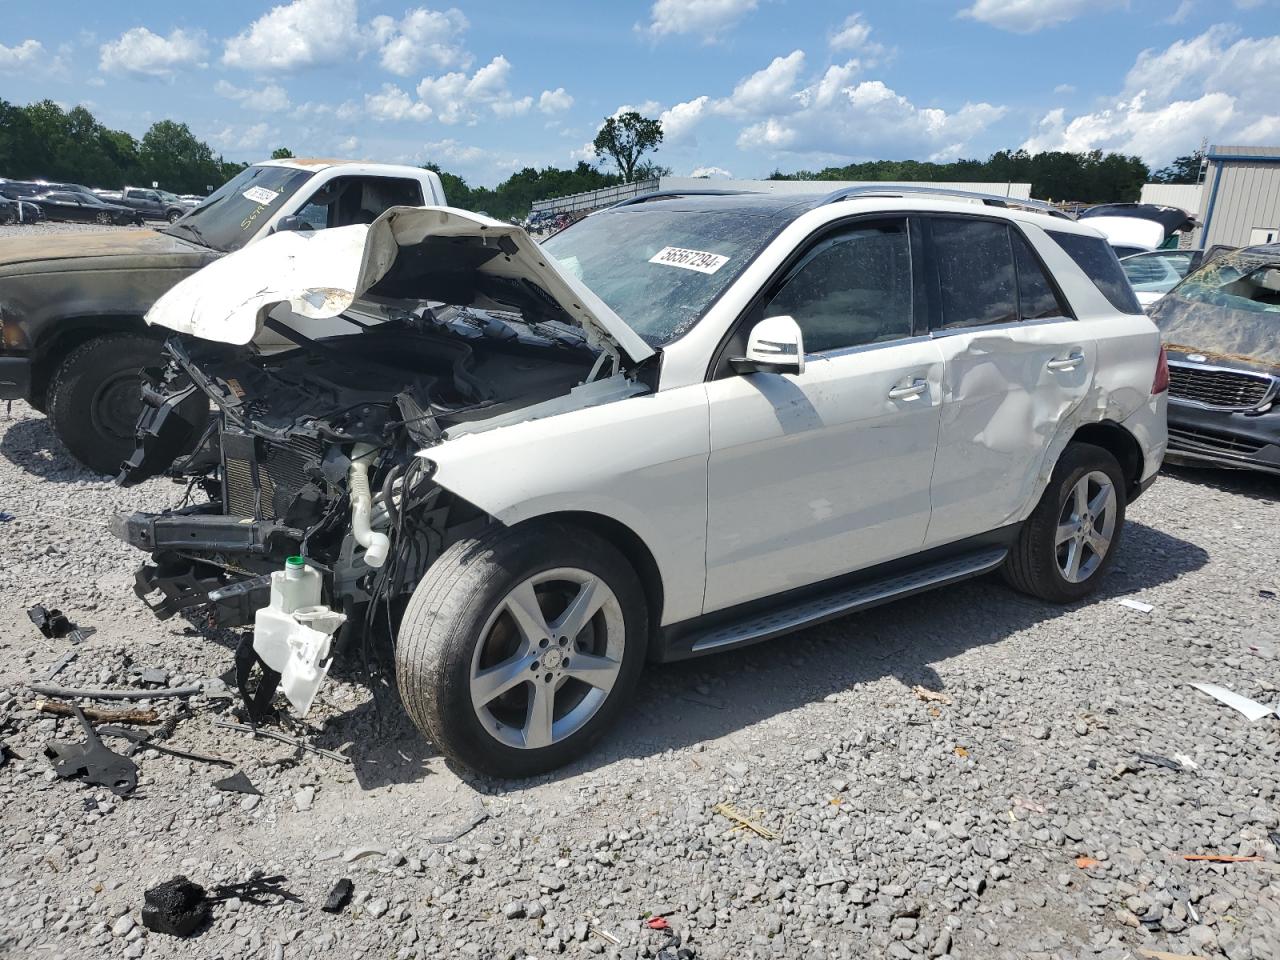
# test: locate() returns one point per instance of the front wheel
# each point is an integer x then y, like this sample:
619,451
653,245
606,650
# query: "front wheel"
103,218
1068,543
173,216
518,650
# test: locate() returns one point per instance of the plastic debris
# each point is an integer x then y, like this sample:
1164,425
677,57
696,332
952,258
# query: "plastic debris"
478,818
177,907
1252,709
62,693
92,762
1186,761
930,696
1135,605
338,897
962,752
54,625
238,782
1220,858
657,923
6,517
1158,761
1086,863
728,811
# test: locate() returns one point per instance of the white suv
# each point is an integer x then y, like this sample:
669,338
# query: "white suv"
685,424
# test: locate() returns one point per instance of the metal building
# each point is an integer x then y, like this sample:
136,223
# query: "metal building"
1241,204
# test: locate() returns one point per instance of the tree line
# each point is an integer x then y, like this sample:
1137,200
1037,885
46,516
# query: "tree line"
43,141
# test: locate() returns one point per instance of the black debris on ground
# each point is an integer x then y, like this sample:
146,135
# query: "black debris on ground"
338,897
177,907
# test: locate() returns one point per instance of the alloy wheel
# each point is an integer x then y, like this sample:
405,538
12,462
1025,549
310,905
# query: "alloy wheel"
1086,527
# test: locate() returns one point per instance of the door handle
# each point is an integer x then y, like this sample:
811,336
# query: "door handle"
1066,363
909,392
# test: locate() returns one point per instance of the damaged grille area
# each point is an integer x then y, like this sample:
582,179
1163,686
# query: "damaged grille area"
1218,388
1210,441
261,478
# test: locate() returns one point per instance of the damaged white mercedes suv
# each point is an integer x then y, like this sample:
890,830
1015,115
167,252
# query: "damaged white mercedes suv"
685,424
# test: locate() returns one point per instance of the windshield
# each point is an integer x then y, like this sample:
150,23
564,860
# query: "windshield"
660,269
234,212
1230,307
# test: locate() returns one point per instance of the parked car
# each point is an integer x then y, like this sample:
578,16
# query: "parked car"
74,341
1138,227
10,212
1221,326
1154,273
84,208
152,204
685,424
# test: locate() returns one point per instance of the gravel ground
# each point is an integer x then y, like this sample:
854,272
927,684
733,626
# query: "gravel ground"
904,827
49,226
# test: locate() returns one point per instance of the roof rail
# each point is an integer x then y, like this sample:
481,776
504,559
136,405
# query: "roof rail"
898,190
666,194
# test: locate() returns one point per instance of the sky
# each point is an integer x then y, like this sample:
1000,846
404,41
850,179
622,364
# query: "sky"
743,87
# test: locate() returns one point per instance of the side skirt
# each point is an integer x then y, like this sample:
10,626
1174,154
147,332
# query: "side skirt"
795,610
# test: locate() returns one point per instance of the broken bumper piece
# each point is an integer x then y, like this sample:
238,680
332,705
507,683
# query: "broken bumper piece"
156,532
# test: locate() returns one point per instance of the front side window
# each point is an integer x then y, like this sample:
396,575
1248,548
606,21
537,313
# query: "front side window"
976,275
852,288
347,200
1094,256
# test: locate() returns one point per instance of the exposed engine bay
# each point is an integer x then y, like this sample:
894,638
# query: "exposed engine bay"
319,455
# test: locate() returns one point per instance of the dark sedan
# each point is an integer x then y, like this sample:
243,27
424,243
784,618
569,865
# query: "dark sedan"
84,208
1221,326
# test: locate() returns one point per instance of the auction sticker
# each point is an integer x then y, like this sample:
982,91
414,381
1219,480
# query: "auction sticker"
260,194
689,259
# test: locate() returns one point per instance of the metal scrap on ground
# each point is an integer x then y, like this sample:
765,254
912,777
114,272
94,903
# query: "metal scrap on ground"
1252,709
282,738
63,693
93,762
727,810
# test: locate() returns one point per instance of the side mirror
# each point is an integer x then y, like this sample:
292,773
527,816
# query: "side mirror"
774,346
291,222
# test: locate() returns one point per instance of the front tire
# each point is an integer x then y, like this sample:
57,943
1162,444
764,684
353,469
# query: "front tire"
103,218
96,397
1070,540
519,649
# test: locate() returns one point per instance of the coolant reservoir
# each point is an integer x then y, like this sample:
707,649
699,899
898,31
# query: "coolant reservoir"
294,631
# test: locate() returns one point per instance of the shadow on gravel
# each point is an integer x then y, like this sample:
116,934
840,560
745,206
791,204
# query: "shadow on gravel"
1243,483
31,446
902,640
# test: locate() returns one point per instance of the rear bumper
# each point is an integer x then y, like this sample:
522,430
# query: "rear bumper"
15,378
1224,438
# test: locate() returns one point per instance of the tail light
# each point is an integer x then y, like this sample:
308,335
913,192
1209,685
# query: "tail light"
1161,382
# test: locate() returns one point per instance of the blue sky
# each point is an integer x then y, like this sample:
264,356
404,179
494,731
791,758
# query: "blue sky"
743,86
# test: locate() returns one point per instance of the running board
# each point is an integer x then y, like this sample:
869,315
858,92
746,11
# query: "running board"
870,593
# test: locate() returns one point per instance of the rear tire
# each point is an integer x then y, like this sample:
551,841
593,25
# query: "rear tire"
468,625
95,398
1069,542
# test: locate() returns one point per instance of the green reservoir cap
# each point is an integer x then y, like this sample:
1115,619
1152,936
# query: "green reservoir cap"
294,562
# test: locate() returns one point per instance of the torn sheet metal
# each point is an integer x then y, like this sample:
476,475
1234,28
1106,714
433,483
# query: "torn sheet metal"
320,273
1252,709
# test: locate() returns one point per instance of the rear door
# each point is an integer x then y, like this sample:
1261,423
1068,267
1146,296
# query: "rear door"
1016,364
825,472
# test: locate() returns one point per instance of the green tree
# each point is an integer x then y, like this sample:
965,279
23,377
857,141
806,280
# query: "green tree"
281,153
173,157
627,138
1185,169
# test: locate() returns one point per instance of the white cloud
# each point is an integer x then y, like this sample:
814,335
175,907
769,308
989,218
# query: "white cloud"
304,33
1212,85
586,152
854,36
711,172
1183,11
240,139
1028,16
453,151
555,101
271,98
679,121
646,109
393,103
1064,88
349,145
143,53
421,37
21,56
772,89
706,18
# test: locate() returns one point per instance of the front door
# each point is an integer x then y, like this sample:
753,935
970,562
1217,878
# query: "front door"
1017,365
822,473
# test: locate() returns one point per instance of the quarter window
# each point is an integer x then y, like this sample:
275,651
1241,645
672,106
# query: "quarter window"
1036,297
975,272
852,288
1095,257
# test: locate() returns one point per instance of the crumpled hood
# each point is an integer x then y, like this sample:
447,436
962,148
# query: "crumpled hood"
104,248
319,274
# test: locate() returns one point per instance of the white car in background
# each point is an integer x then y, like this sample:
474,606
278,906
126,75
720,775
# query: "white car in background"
685,424
1156,272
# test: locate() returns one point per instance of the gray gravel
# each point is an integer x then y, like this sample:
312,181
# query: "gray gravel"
50,226
905,828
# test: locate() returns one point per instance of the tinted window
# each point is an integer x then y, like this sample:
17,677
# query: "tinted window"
851,288
1095,257
975,272
1036,296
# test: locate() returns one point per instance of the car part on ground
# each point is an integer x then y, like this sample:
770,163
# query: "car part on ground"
92,762
1222,328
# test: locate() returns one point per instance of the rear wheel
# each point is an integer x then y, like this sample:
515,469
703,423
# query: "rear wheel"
518,650
1070,539
96,397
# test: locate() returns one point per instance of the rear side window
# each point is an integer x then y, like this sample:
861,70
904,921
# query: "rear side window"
1037,299
1095,257
975,272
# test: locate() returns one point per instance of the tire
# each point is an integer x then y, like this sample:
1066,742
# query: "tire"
458,627
103,218
1040,562
173,216
95,398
